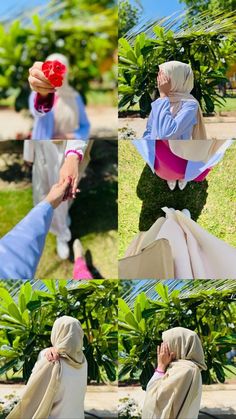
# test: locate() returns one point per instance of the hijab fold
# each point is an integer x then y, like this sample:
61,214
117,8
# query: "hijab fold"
37,400
176,394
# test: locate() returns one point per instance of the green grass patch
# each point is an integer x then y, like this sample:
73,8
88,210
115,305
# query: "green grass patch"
229,105
93,214
142,195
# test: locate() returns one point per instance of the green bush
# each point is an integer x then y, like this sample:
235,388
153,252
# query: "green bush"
86,35
211,314
209,47
26,323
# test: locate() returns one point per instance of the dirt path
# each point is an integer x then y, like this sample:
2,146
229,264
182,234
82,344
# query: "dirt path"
100,400
217,399
219,128
103,120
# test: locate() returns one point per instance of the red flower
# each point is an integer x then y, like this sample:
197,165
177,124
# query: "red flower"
54,72
56,81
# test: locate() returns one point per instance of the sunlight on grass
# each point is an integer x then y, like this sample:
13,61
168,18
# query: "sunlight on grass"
212,204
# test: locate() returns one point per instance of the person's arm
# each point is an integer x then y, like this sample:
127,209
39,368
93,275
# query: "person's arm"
169,127
156,376
40,105
74,154
21,248
164,358
147,133
84,125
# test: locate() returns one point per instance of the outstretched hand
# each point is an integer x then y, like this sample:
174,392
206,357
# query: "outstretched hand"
164,357
58,192
37,80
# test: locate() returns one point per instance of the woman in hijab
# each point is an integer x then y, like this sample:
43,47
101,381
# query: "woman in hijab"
176,115
56,389
59,114
174,391
175,118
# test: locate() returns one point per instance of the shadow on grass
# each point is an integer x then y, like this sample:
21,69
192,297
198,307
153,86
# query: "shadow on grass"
155,194
95,209
15,172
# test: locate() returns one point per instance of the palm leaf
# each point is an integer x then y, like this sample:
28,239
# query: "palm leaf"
222,23
186,288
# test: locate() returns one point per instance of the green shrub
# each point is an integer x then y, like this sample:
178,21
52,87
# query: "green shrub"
211,314
26,323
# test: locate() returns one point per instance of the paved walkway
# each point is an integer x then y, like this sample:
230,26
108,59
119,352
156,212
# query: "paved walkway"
103,120
100,400
217,399
219,128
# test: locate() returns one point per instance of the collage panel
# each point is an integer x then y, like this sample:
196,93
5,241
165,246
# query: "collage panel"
177,349
176,215
58,238
117,209
59,337
177,80
56,57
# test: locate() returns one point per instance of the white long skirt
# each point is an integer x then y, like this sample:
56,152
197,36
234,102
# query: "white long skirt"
48,159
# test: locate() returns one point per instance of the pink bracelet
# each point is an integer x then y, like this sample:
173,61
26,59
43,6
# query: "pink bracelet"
159,372
78,153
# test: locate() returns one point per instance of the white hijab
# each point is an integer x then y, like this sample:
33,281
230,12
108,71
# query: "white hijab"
66,112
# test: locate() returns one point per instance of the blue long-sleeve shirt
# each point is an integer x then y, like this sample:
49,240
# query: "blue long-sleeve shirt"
21,248
43,128
147,149
162,125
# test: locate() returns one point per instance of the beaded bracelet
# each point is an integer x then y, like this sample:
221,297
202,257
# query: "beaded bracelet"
78,153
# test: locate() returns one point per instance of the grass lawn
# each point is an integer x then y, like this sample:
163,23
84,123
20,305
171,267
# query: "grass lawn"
229,105
142,195
93,215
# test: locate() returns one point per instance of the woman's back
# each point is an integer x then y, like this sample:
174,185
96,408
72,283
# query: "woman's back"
69,402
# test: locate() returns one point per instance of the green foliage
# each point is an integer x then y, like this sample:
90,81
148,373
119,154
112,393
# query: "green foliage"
209,47
198,6
26,322
86,35
128,17
210,313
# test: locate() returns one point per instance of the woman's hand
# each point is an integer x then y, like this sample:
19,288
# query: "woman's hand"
164,84
164,357
51,354
38,81
70,168
57,192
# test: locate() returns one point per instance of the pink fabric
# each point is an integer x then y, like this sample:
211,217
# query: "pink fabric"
44,103
80,270
168,166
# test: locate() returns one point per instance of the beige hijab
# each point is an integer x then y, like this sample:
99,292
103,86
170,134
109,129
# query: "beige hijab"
66,112
176,394
37,401
182,82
